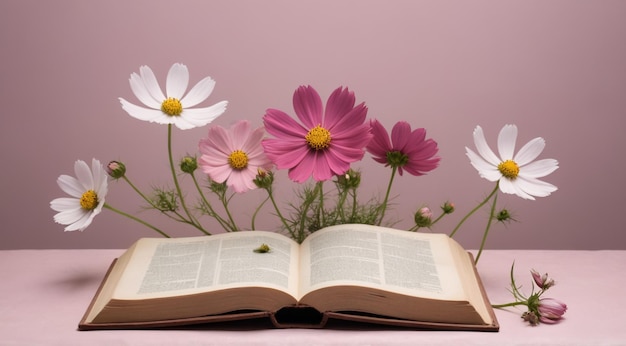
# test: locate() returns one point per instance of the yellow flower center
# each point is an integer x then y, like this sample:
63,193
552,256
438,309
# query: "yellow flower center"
318,138
509,169
89,200
172,107
238,159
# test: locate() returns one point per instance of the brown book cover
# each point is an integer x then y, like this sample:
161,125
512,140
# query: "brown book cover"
293,317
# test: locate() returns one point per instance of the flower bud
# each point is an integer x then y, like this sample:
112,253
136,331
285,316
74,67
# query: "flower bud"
504,215
531,318
423,217
551,310
264,179
188,164
349,180
542,280
116,169
448,208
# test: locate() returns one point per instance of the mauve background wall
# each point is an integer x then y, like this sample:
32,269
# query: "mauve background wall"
557,69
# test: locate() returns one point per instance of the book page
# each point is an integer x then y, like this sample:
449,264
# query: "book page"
415,264
171,267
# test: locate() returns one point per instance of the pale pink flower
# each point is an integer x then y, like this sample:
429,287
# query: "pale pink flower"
234,155
326,142
551,310
406,150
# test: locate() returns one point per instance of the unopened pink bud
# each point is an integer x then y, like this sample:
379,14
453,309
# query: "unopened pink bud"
542,280
551,310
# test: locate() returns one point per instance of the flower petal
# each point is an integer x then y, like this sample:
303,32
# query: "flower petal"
400,134
506,142
485,169
151,84
241,181
218,173
100,179
70,216
308,106
177,81
380,144
530,151
483,148
535,187
138,86
146,114
65,203
83,174
339,103
321,167
281,125
514,187
82,223
199,117
198,93
355,117
540,168
239,133
284,154
303,168
70,185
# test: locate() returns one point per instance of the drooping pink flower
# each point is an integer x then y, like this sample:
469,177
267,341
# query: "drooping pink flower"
407,150
551,310
327,140
233,155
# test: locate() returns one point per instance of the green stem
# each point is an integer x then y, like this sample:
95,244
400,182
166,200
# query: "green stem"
491,214
136,219
341,200
282,219
303,218
474,210
138,191
173,170
500,306
179,217
225,201
225,225
383,206
438,218
320,212
256,211
354,205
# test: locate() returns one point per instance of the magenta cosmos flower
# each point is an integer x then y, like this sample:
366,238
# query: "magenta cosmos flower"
407,150
326,142
234,155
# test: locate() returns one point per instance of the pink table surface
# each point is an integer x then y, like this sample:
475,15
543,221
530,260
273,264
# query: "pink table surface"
44,293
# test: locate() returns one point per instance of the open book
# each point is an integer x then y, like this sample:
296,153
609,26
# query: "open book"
348,272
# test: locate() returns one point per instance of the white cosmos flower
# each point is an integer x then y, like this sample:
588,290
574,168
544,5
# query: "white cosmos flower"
517,173
87,192
175,108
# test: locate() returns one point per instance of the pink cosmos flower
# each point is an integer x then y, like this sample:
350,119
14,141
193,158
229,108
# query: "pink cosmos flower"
551,310
326,142
234,155
407,150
